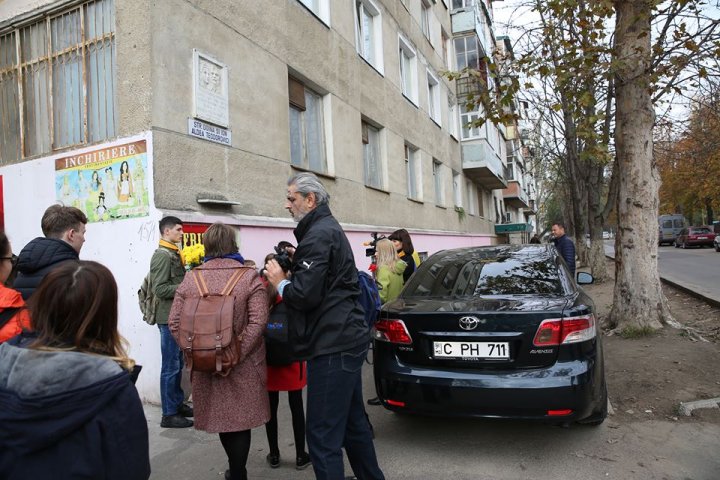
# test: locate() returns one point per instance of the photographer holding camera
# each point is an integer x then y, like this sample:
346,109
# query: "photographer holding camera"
327,327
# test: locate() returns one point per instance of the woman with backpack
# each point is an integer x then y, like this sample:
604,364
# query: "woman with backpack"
234,400
284,375
68,406
406,251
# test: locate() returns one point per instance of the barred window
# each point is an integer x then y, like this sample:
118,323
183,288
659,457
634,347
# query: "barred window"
57,82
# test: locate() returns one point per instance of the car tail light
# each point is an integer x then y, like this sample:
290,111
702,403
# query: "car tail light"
393,331
565,330
559,413
395,403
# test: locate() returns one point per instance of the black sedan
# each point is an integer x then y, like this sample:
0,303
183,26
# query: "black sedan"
500,332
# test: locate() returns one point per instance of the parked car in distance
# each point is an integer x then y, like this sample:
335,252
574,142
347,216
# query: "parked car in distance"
669,227
695,237
499,332
716,243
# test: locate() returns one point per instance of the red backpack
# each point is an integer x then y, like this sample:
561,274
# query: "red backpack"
206,335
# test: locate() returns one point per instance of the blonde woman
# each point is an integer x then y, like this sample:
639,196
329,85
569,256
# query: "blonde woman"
389,273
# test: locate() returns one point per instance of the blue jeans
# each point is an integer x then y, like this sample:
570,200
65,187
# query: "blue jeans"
171,394
336,417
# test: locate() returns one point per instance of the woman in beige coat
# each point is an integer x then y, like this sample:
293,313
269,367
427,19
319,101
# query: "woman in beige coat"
234,404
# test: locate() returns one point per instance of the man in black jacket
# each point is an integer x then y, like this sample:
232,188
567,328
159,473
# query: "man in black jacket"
64,230
327,327
564,246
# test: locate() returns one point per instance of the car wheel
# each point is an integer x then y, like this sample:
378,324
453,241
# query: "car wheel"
598,416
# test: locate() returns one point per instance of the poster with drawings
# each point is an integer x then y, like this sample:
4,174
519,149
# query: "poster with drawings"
107,183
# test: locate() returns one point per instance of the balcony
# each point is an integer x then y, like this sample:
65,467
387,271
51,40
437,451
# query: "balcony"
515,196
482,165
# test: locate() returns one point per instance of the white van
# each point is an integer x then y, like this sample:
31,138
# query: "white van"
669,227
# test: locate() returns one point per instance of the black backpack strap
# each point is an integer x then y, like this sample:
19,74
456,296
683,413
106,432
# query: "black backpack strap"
7,314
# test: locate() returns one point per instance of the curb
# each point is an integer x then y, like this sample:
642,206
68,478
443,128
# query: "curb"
712,301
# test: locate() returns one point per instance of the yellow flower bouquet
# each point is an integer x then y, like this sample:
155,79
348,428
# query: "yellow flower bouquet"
193,255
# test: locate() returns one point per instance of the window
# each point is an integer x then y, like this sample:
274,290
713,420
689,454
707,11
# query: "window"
462,3
467,52
466,118
372,156
439,182
307,129
408,67
445,47
433,97
425,13
457,189
57,82
368,31
320,8
470,194
452,107
414,174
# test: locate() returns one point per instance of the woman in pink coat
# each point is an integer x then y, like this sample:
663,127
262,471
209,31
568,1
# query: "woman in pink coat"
234,404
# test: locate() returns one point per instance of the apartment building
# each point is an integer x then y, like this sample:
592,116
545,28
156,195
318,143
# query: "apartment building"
132,110
498,179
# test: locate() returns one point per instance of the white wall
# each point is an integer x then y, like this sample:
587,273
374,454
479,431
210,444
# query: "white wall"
125,246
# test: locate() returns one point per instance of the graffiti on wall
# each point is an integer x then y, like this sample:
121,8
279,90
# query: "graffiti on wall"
106,183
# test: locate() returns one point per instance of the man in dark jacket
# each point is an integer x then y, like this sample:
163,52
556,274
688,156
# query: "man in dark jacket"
64,230
327,327
564,246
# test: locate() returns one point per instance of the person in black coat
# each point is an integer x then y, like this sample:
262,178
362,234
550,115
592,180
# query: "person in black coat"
68,405
564,246
327,327
64,230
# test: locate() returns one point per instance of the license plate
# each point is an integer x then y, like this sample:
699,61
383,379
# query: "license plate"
471,350
702,238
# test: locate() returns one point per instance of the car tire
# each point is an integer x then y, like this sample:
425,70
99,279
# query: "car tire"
598,416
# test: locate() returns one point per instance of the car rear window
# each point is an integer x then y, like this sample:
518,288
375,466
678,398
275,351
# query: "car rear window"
471,273
667,224
699,230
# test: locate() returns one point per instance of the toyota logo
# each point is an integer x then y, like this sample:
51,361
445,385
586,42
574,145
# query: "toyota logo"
469,323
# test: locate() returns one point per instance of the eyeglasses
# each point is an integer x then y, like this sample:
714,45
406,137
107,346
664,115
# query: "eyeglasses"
13,259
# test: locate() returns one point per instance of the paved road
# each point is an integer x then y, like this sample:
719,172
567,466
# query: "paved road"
420,448
696,269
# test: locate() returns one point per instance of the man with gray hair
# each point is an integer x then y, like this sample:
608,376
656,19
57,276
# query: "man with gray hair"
327,328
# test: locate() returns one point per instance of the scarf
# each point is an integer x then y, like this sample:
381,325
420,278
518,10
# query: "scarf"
232,256
172,246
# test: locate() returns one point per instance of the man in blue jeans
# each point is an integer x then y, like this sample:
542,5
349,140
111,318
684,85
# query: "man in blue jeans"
166,273
327,327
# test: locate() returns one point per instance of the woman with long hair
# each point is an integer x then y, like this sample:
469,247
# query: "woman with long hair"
125,184
406,251
234,404
68,406
289,378
389,271
13,313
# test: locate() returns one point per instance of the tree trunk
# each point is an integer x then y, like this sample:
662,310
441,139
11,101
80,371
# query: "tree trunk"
639,303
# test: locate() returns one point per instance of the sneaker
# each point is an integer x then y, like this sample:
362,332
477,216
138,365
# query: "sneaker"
273,459
302,461
185,410
175,421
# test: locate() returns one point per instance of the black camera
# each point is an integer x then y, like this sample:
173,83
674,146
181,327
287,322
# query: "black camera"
370,251
283,258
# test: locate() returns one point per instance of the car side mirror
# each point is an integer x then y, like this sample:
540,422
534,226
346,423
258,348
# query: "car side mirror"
584,278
